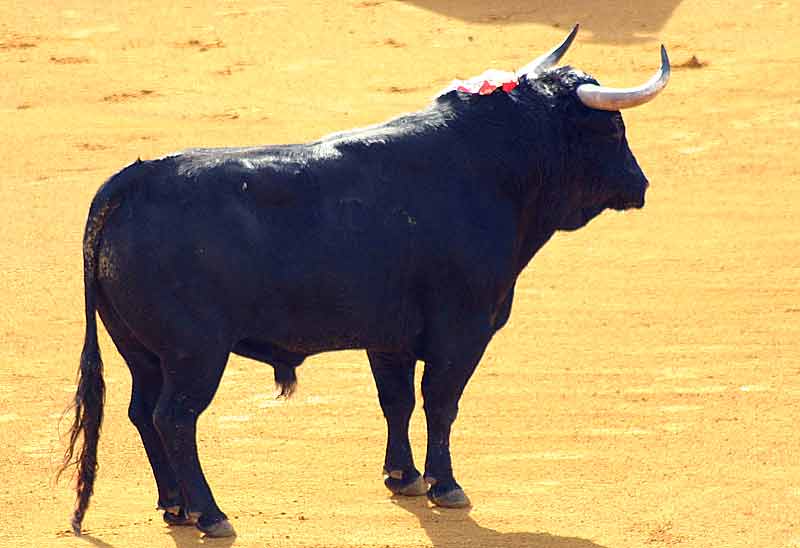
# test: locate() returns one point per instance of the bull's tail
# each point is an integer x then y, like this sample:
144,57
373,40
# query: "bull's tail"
285,379
90,394
88,404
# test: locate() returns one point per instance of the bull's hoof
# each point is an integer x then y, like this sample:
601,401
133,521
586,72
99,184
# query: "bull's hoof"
220,529
178,517
406,486
455,498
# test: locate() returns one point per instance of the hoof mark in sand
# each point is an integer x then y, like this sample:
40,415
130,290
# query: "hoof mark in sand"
69,60
17,43
201,46
223,116
693,63
394,43
662,534
91,146
396,89
120,97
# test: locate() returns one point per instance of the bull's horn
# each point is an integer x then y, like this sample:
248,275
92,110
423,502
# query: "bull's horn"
604,98
550,58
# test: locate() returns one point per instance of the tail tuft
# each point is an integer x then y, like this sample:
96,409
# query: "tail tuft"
86,425
286,380
76,525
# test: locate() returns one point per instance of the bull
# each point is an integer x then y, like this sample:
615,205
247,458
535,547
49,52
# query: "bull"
404,239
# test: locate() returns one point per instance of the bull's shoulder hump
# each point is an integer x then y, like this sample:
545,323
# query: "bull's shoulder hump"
401,128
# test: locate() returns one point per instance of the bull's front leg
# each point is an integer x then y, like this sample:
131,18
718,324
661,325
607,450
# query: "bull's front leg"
446,375
394,377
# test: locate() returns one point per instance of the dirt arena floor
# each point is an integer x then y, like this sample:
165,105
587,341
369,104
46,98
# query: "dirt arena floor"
643,391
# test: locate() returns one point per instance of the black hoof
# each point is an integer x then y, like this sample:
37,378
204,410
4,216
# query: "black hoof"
219,529
448,495
411,484
178,518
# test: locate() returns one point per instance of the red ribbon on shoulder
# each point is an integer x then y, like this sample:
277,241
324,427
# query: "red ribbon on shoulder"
488,82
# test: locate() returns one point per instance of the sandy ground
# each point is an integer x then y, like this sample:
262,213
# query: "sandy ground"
643,392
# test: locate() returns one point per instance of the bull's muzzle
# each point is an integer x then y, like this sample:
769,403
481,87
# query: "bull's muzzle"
631,197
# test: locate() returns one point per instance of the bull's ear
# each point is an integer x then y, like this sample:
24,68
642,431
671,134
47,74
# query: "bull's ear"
550,58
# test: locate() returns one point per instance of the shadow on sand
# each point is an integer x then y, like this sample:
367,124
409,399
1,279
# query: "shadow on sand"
189,537
95,541
610,21
183,537
445,528
456,529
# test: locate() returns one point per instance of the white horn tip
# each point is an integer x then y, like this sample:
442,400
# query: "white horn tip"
550,58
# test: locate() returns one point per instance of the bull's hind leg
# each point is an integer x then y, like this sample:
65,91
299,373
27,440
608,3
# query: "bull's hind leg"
394,377
447,371
145,369
146,389
189,386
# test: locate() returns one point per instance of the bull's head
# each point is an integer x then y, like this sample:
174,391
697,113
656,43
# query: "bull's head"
600,171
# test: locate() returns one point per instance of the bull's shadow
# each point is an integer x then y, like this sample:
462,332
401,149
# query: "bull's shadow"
189,537
610,21
468,533
94,541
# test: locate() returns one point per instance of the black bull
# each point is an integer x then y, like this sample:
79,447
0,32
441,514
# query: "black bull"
404,239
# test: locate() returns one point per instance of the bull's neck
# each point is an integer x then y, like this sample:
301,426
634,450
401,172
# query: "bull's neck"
535,222
519,154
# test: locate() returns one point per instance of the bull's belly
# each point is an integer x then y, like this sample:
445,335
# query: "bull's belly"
311,327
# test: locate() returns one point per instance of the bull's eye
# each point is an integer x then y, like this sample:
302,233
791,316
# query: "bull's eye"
606,125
